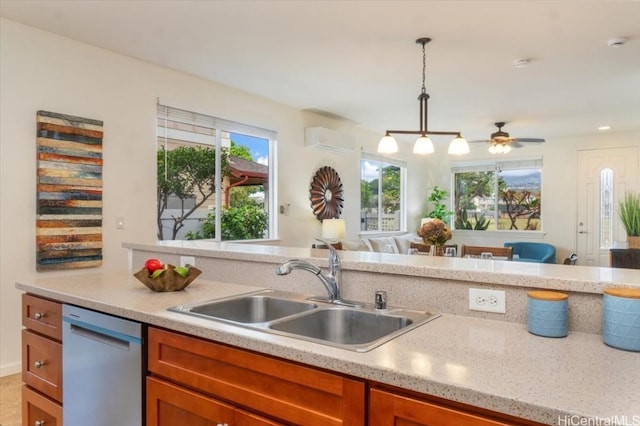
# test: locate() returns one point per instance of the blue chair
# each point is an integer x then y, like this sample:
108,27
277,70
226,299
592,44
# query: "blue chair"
533,252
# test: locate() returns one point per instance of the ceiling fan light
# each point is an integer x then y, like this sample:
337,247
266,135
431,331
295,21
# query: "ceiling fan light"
387,145
492,149
423,145
507,149
499,148
459,146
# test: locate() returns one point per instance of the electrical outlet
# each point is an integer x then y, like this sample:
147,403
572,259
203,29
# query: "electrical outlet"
487,300
187,260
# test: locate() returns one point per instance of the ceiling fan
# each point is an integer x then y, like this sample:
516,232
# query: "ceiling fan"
501,142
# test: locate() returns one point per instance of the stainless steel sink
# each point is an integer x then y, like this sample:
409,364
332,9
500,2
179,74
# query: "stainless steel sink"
248,309
343,326
289,314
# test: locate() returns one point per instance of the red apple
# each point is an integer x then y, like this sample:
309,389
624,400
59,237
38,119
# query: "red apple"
153,265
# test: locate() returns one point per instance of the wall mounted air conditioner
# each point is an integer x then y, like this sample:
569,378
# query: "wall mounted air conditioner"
326,139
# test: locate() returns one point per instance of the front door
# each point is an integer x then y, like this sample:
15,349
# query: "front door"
603,177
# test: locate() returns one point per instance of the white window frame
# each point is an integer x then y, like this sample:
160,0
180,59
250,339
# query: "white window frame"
221,125
496,166
403,192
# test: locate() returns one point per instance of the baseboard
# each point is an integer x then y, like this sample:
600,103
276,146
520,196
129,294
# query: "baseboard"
9,369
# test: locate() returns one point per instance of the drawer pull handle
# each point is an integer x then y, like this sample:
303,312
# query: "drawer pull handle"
39,316
222,424
38,364
38,423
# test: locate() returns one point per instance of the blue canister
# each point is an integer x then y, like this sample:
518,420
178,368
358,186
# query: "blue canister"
548,313
621,318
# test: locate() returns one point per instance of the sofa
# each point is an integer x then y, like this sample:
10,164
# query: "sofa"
533,252
398,243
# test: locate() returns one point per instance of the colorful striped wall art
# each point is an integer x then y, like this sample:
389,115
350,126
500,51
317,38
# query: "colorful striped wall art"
69,192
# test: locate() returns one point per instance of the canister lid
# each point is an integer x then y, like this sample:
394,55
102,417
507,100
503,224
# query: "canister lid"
630,293
547,295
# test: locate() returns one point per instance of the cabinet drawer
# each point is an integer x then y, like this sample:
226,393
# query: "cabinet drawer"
42,315
276,388
42,364
171,405
38,410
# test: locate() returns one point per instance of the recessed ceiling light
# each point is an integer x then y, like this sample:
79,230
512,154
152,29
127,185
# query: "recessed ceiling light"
616,42
604,128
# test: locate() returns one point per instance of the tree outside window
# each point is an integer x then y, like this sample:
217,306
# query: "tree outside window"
381,196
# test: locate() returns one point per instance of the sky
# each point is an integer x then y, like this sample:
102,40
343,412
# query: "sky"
259,147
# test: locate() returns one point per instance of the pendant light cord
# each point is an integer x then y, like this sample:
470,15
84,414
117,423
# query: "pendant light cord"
424,67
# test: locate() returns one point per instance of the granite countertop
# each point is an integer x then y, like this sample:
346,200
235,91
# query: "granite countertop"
495,365
575,278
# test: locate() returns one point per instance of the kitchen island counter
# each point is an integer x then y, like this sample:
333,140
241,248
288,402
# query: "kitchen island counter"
495,365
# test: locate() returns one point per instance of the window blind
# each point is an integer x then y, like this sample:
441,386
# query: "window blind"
166,112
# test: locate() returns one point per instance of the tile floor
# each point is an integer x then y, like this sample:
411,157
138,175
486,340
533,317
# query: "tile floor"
10,400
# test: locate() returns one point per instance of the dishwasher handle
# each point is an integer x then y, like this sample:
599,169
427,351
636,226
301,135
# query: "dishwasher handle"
102,335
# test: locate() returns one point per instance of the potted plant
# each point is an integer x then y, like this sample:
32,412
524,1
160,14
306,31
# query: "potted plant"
435,233
439,208
630,217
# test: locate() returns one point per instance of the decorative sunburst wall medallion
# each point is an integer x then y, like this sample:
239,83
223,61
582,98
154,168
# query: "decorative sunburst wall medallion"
326,194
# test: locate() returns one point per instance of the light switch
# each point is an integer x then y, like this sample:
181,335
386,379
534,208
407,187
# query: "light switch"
119,222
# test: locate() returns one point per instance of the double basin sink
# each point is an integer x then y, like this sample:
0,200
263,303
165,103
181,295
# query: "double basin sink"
358,329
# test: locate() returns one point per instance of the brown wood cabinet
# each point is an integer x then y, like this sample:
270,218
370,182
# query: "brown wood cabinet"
41,361
387,408
253,384
38,410
169,405
625,258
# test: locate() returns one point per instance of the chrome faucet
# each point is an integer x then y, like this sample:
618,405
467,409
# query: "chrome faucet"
331,281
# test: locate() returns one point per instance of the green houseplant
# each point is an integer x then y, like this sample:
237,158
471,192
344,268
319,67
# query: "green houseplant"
439,208
629,214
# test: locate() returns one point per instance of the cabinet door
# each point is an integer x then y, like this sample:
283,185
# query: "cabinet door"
38,410
171,405
273,387
386,409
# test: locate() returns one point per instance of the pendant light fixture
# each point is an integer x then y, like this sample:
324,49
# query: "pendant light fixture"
423,144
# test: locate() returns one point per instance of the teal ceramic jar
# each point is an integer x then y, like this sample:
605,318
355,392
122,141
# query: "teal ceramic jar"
548,313
621,318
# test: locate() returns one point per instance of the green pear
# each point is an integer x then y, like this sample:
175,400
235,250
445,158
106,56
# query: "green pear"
157,273
182,271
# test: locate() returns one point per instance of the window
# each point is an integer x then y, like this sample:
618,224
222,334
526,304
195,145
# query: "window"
382,202
498,196
199,154
606,208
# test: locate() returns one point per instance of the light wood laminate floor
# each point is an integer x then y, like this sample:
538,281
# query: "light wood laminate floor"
10,400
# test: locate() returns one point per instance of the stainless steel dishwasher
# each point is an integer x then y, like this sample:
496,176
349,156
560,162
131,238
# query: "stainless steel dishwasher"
101,368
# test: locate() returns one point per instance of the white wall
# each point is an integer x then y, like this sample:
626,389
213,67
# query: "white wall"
42,71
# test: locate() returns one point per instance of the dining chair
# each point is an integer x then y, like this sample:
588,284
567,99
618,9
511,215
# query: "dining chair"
425,248
502,252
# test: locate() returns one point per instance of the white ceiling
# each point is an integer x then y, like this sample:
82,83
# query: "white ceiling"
359,60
